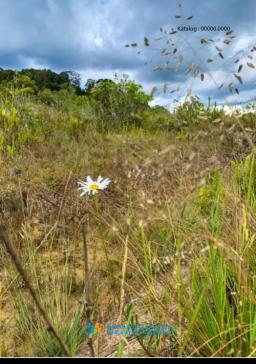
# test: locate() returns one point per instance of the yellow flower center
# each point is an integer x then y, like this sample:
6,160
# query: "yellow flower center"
94,187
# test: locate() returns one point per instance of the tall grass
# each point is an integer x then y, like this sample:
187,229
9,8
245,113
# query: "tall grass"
180,258
214,292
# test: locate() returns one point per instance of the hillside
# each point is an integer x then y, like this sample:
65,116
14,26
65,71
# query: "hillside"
171,241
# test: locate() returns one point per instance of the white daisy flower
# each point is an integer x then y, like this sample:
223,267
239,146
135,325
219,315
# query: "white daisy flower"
92,187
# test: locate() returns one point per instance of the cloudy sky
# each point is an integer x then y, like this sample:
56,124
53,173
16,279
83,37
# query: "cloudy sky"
88,36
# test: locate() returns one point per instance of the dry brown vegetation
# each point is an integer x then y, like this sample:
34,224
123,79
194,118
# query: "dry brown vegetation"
152,204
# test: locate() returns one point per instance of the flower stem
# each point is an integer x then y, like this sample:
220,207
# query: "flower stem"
87,303
86,261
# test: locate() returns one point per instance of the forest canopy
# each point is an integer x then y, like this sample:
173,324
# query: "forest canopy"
45,79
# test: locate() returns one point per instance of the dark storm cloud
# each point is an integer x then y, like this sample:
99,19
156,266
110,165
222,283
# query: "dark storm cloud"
89,36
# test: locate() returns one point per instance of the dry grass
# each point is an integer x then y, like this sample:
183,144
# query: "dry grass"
155,179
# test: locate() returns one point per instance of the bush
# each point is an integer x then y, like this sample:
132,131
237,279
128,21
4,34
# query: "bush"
118,104
189,111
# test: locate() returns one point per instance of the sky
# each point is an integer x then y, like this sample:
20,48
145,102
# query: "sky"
88,36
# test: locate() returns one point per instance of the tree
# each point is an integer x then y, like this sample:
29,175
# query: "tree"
118,103
18,85
46,79
90,84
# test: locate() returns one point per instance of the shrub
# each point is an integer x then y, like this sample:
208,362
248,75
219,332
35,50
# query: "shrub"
118,104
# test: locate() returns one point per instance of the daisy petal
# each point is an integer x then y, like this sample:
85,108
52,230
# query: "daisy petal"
89,180
83,184
105,183
99,179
